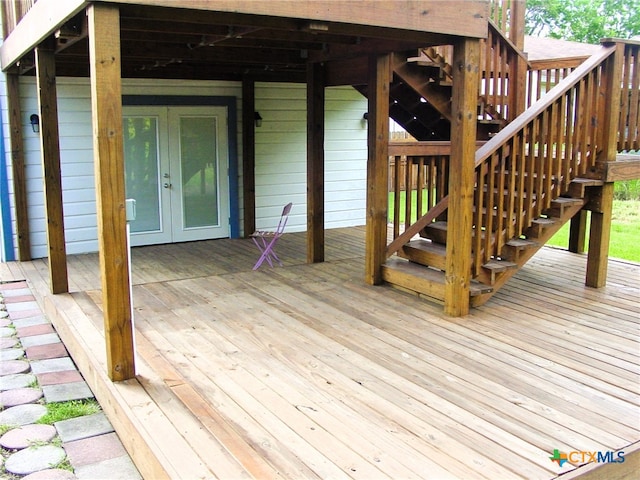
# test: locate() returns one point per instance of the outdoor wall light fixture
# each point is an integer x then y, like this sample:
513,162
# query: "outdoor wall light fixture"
34,119
365,119
258,119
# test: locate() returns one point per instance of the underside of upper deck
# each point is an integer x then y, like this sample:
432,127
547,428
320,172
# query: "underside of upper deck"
231,39
307,372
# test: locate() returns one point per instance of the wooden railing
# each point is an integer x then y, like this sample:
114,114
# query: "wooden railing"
532,161
499,14
500,60
424,166
541,80
527,165
12,13
629,123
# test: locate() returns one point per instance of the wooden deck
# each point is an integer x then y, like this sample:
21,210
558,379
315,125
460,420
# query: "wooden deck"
307,372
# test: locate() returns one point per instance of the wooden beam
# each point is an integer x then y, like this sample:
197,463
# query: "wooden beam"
626,167
42,19
461,179
454,17
50,152
377,167
315,163
578,232
106,106
600,229
249,155
18,168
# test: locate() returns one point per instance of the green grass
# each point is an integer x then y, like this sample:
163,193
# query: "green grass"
627,190
625,231
59,411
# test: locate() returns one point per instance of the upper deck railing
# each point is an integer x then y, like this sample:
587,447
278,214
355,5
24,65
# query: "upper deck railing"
12,13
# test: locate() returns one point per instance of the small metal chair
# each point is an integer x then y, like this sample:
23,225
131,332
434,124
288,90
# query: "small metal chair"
266,240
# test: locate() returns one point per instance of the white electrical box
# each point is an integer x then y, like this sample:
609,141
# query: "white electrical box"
130,207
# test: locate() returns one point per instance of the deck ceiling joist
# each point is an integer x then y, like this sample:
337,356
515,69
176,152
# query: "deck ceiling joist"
181,43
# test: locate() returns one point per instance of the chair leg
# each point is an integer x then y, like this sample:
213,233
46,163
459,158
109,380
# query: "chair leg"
267,252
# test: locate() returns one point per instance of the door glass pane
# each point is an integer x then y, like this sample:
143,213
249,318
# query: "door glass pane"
199,171
141,171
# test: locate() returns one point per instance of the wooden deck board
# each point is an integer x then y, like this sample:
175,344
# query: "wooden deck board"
307,372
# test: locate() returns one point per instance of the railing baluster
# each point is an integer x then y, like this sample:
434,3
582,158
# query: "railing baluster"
408,191
396,197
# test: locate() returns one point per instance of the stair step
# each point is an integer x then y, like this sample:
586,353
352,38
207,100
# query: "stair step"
424,280
539,225
493,268
423,61
425,253
514,249
521,243
436,232
561,204
499,266
578,186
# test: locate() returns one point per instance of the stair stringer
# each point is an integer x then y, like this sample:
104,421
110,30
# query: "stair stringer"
546,234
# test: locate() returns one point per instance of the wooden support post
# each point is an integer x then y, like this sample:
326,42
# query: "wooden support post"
315,163
106,105
50,151
600,230
18,167
249,155
578,232
461,178
377,167
518,23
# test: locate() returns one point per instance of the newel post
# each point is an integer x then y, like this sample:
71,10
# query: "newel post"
377,167
607,134
466,56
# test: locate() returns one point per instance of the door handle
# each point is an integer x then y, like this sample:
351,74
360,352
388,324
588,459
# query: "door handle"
167,185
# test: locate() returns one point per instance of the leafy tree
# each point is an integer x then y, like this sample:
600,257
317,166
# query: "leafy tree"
584,21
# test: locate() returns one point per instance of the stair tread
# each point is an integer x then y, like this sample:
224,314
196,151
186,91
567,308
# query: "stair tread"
499,265
521,243
432,275
593,182
567,200
427,246
543,221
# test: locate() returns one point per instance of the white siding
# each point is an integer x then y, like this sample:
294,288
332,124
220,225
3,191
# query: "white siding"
280,154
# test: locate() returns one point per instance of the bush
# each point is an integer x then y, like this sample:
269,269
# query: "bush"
627,190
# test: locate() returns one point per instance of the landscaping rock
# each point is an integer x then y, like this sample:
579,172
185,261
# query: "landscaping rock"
34,459
20,396
19,380
23,437
22,414
51,474
12,367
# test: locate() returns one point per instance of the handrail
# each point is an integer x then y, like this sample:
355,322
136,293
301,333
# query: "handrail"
527,165
508,42
538,107
501,63
532,161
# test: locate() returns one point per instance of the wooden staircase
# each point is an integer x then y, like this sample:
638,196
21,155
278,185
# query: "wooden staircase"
420,95
531,177
406,270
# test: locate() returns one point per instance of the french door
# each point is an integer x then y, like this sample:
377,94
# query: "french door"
176,164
